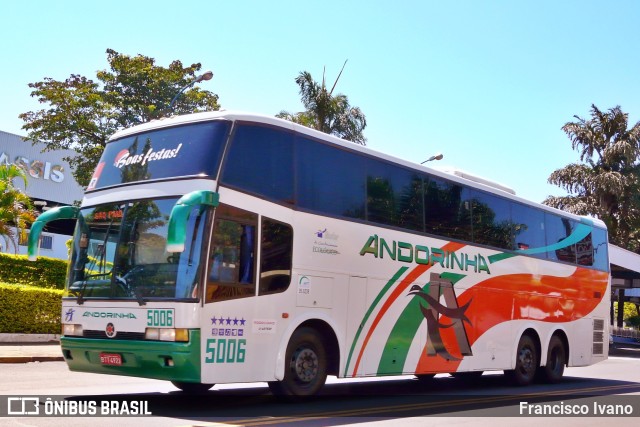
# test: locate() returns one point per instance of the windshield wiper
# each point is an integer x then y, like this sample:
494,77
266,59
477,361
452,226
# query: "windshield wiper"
130,289
81,292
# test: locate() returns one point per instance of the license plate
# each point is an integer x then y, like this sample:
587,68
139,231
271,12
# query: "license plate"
111,359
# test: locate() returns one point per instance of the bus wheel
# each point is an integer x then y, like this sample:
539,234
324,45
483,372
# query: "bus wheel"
556,358
305,369
526,362
192,387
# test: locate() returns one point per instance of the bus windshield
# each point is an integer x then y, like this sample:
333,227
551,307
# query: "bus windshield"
180,151
119,252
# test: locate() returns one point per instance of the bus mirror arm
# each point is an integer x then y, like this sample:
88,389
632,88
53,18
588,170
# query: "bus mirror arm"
62,212
177,233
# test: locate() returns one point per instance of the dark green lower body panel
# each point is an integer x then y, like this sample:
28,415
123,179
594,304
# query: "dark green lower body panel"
173,361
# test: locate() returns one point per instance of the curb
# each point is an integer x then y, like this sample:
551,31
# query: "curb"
29,359
29,338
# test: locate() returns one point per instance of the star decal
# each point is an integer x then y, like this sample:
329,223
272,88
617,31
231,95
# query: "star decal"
228,321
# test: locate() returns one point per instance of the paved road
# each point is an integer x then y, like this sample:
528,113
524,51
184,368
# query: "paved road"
384,402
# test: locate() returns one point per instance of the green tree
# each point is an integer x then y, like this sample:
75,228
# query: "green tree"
16,209
606,181
326,112
81,113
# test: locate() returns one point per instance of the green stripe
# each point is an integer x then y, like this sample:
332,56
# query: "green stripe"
399,341
581,231
384,290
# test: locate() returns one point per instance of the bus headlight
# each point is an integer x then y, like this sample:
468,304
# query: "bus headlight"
71,330
167,334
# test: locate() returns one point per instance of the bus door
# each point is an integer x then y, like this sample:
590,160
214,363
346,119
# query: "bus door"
229,297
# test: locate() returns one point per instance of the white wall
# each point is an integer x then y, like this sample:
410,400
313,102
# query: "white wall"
58,247
48,178
48,175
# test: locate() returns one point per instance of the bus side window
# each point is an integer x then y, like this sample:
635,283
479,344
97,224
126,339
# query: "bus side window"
528,229
232,257
276,246
558,229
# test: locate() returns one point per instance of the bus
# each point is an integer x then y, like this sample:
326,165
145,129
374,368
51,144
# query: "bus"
226,247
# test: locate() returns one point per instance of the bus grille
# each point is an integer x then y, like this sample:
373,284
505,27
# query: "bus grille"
598,348
598,325
101,335
598,336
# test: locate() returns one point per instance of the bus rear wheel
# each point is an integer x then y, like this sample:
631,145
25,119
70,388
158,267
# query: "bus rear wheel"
192,387
556,359
526,362
305,370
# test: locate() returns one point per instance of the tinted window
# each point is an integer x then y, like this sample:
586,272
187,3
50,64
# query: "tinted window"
528,228
558,229
232,256
276,246
173,152
394,196
330,180
600,246
447,209
260,160
592,249
491,220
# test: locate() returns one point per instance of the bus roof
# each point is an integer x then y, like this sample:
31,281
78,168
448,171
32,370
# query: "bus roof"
460,178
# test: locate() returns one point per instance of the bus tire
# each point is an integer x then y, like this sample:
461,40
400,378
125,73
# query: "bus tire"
526,362
192,387
305,369
556,359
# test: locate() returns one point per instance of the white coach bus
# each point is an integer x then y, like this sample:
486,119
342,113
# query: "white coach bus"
229,247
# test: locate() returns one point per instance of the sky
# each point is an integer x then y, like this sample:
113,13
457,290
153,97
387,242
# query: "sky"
488,84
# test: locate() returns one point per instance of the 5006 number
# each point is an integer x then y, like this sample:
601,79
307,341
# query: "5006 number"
223,350
160,318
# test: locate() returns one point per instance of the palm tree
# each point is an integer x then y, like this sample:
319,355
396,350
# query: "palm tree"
325,112
606,181
15,206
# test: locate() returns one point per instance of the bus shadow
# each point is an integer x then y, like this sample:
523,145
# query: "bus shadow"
339,403
625,350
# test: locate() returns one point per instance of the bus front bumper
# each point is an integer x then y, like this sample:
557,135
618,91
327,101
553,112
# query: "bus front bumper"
173,361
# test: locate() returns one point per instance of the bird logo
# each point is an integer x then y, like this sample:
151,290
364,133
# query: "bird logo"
433,311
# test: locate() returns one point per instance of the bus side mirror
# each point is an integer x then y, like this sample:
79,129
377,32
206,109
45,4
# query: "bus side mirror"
177,233
62,212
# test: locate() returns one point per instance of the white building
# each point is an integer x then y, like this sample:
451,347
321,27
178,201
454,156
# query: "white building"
49,184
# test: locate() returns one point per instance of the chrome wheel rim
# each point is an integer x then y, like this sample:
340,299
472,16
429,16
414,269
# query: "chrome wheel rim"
305,365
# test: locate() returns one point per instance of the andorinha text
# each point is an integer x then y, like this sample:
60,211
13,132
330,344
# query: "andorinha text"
109,315
420,254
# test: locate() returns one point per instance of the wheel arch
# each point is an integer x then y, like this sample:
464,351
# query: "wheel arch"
560,333
329,337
